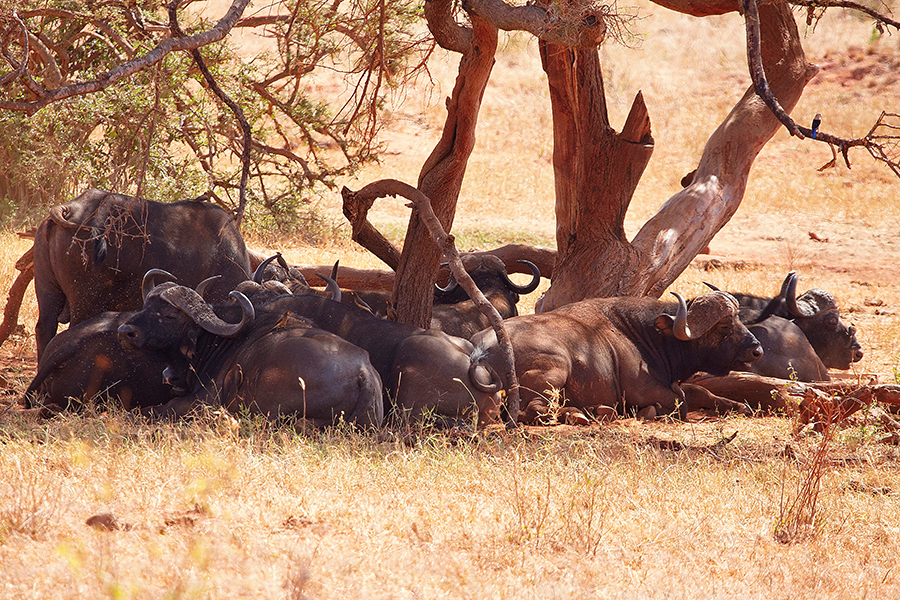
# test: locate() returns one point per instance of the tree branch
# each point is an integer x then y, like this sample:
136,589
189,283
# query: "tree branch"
216,33
235,108
574,27
356,209
758,74
880,19
422,205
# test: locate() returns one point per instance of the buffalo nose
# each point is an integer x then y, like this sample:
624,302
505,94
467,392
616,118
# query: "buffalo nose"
129,336
757,352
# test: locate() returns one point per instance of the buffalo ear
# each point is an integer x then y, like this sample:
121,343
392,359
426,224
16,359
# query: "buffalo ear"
664,324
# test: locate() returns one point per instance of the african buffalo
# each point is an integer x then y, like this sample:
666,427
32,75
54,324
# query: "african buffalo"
424,371
273,364
453,311
91,253
623,355
87,361
802,336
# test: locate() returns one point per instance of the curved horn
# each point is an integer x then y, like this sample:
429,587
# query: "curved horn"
714,288
204,285
153,278
190,302
528,287
333,287
680,328
451,285
258,273
789,291
496,383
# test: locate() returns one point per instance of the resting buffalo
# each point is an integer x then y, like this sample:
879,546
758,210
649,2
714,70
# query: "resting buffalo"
424,371
802,336
91,253
87,361
453,312
624,355
273,364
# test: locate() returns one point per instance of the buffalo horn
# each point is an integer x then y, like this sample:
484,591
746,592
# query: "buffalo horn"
790,298
332,287
680,328
714,288
153,278
528,287
203,285
451,284
334,270
258,273
202,314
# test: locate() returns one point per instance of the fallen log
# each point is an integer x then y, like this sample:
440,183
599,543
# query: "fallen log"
812,402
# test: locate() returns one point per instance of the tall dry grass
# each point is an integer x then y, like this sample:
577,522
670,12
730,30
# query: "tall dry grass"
224,507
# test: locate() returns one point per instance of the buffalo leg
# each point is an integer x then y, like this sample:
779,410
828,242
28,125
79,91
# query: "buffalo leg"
696,397
174,409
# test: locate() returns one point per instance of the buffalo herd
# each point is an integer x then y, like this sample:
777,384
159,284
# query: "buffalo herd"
165,315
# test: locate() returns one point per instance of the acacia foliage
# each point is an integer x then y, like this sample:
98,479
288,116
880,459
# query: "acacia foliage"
313,93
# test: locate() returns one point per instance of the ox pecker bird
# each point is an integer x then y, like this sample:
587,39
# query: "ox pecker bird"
817,120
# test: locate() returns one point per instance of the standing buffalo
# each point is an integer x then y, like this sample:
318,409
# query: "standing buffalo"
274,365
622,355
424,371
802,336
91,253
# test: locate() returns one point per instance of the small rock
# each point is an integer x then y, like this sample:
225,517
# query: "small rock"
106,522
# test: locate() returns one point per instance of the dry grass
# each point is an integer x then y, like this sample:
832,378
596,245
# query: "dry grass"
223,509
229,508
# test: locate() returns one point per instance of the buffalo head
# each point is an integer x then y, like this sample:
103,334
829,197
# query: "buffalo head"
174,314
489,274
817,315
710,325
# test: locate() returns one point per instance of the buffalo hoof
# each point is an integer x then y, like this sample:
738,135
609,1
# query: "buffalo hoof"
573,416
648,413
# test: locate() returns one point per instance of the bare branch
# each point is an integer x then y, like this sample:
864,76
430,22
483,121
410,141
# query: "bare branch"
758,74
761,85
880,19
235,108
356,209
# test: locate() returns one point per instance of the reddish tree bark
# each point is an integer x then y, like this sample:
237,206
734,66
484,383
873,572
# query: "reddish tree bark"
442,174
600,169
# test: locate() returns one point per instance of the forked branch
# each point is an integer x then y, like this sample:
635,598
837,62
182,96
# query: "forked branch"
422,205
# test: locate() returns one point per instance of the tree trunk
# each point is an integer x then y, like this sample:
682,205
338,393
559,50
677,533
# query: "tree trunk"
599,171
442,175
